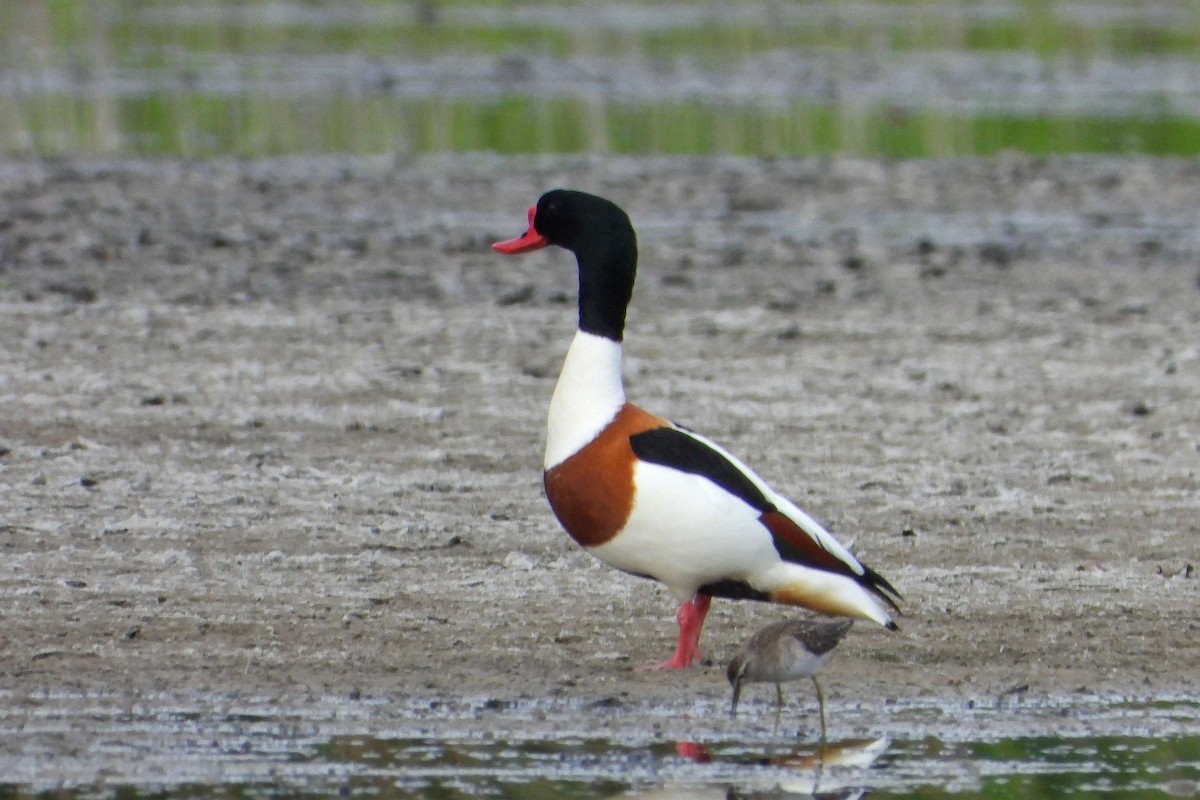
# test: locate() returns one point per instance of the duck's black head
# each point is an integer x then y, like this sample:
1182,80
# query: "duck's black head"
600,235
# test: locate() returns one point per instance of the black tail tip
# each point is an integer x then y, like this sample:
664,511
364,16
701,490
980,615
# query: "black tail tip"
891,626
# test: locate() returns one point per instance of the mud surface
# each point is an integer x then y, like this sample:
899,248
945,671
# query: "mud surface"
272,430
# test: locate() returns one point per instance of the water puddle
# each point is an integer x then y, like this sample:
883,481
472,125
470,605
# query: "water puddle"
594,768
1018,767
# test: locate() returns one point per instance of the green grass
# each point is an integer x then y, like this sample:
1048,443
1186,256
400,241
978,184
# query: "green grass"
201,124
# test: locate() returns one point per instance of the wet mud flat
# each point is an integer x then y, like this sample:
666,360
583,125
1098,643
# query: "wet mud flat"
272,434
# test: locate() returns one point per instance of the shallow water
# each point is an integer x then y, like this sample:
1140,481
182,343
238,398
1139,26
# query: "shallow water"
372,747
1017,767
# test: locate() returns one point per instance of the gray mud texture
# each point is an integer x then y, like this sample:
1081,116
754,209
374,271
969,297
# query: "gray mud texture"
272,430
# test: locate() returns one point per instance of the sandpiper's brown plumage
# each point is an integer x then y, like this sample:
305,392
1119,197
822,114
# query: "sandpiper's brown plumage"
786,651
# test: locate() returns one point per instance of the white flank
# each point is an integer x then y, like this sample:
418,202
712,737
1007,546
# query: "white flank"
686,531
588,395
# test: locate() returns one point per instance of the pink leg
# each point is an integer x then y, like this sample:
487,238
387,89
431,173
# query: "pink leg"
691,619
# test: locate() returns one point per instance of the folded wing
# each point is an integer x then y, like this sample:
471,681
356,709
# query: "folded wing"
797,537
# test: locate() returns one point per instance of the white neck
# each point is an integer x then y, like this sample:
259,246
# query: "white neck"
588,395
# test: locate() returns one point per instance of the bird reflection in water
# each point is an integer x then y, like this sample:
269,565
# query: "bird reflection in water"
831,769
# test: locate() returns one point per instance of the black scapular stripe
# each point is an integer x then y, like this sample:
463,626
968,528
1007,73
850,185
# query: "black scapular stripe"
733,590
674,448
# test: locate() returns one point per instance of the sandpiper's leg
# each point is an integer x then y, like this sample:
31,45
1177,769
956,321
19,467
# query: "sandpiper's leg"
691,620
820,704
778,704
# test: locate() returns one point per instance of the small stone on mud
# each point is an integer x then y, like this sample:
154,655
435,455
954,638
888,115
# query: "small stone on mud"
517,296
80,293
997,254
517,560
541,369
1185,571
608,702
1141,409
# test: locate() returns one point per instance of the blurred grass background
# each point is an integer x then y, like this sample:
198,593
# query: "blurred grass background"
898,78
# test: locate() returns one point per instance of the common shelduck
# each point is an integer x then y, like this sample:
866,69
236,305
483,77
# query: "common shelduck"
653,498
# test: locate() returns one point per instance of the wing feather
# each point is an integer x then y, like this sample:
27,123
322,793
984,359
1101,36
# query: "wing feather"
798,537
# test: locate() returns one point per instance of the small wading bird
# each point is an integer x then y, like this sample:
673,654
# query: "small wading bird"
652,498
786,651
